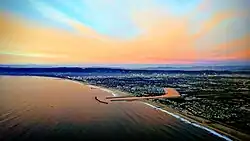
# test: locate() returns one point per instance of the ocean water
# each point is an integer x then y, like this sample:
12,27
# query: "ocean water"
36,108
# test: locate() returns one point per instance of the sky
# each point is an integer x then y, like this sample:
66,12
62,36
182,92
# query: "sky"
124,31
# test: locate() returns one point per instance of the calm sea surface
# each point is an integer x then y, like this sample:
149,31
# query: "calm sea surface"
33,108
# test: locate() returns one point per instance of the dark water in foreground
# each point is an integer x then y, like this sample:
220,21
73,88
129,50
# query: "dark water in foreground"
33,108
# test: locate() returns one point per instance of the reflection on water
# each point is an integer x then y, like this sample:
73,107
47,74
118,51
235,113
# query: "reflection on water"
33,108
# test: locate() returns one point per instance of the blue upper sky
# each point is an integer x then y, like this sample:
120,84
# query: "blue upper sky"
109,17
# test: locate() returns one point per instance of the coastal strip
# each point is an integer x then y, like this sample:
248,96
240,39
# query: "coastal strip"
172,114
103,89
189,122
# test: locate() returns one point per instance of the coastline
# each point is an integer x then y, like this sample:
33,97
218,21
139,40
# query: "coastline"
222,132
213,128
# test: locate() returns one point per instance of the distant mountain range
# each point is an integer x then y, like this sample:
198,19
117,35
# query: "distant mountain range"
197,68
137,67
228,70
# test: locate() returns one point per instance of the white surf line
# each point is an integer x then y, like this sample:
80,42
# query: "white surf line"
192,123
92,86
103,89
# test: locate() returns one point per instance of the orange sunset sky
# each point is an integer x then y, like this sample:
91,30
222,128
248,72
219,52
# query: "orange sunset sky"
123,31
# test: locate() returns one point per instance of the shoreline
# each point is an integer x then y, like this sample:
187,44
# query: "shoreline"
173,113
176,114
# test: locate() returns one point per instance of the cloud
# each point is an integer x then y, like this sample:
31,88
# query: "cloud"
50,13
53,14
232,49
213,22
32,55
